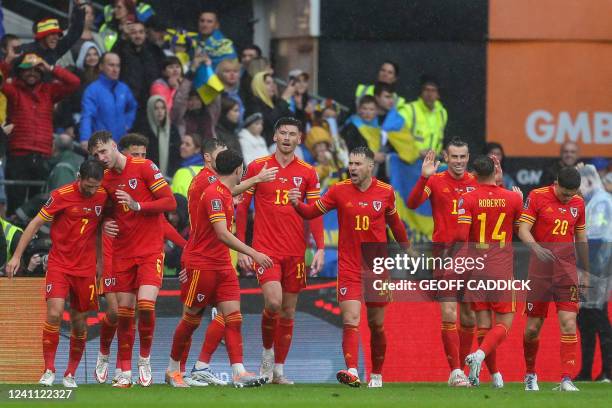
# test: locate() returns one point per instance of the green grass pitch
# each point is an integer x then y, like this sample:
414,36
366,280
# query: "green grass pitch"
330,395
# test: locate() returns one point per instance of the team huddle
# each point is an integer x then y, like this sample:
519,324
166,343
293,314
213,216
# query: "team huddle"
109,227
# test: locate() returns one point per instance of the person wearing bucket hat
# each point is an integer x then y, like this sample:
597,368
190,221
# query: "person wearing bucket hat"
49,41
30,107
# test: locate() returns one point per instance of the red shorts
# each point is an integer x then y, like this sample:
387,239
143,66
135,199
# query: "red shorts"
132,273
82,289
350,287
497,307
561,289
290,271
205,287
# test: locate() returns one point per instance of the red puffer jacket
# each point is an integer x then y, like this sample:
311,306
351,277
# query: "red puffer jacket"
31,111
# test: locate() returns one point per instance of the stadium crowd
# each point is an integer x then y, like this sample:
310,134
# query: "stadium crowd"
125,72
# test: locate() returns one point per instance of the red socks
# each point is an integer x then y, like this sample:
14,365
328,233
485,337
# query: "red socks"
282,340
378,348
185,355
212,338
530,351
107,333
233,337
182,335
77,346
50,340
466,339
146,325
350,345
269,322
489,340
569,343
450,340
125,336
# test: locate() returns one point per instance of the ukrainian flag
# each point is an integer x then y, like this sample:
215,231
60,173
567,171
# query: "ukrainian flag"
207,84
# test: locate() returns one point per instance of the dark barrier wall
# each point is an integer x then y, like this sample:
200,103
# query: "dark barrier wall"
446,38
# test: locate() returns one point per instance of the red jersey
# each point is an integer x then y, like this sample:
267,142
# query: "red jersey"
361,218
198,184
75,219
278,230
140,232
552,220
443,190
203,249
491,211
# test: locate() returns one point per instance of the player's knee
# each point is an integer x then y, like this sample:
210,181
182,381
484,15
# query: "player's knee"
532,331
449,313
274,305
568,326
54,317
351,318
288,312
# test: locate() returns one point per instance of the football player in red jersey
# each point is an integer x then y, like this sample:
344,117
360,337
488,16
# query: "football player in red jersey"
365,207
443,190
487,217
139,194
211,276
201,374
134,145
279,232
75,212
551,225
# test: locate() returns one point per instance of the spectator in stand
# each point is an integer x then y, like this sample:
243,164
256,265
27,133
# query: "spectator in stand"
388,73
426,117
227,126
497,150
50,42
30,109
69,59
116,25
251,68
319,143
363,128
5,131
108,104
156,34
252,143
64,165
141,65
191,148
181,45
140,10
10,48
168,85
88,70
604,168
228,72
164,138
593,319
266,102
249,53
300,102
197,118
211,39
569,154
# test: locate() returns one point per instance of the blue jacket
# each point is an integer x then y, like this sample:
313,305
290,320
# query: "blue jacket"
107,105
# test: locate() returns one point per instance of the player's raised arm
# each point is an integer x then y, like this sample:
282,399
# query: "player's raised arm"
420,192
266,174
307,211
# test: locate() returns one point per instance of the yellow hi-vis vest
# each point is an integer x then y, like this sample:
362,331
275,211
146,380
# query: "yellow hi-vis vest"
9,233
363,89
427,126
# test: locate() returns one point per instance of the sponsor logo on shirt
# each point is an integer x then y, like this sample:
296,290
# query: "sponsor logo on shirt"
158,176
154,167
212,179
527,202
49,202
